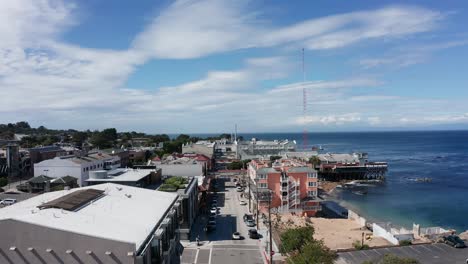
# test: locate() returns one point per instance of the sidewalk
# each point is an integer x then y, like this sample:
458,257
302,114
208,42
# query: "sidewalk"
265,241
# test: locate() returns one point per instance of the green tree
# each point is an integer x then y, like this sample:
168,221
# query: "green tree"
273,158
315,161
302,248
293,239
3,182
78,138
313,252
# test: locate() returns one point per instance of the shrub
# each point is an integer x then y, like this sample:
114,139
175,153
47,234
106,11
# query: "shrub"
357,245
3,182
405,243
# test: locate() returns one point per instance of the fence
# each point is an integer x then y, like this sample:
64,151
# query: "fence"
357,218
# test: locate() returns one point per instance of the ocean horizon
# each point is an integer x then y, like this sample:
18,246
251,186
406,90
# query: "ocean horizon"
439,155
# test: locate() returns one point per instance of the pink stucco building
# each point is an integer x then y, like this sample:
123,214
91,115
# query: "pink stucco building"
293,184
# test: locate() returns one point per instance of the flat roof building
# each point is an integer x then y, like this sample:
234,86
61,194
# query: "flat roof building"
105,223
130,177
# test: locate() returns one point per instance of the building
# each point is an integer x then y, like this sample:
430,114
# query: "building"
131,177
76,166
136,156
184,166
44,183
206,148
123,154
292,183
256,149
188,199
335,167
106,223
39,154
13,160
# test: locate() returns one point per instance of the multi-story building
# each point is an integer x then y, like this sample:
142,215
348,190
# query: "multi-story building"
106,223
184,166
132,177
206,148
292,183
39,154
257,149
76,166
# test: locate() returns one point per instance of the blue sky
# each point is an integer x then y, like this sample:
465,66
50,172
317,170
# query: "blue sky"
202,66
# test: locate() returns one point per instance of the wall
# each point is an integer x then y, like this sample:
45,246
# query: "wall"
58,170
24,235
356,218
181,169
379,231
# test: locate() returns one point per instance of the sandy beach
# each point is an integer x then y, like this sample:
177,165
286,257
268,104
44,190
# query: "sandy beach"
335,233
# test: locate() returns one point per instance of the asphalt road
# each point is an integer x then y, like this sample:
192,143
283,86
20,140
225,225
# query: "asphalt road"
427,254
217,246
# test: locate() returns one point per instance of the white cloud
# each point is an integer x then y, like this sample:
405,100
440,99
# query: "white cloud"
52,82
191,29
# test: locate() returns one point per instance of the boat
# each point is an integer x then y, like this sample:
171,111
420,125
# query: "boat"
360,192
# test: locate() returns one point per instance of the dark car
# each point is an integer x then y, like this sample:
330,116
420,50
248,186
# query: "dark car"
247,217
210,227
254,234
454,241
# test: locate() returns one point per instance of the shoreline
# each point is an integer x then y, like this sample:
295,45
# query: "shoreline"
370,218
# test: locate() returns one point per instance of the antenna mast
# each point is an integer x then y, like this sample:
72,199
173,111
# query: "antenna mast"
304,105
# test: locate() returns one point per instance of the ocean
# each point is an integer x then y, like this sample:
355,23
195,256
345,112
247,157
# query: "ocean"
440,155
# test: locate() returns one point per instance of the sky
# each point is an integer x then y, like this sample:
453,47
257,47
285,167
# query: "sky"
203,66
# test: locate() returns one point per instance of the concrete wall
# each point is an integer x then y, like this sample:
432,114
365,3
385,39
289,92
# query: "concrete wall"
357,218
379,231
181,169
24,235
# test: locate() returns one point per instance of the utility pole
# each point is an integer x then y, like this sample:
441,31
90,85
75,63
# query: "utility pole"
269,223
256,187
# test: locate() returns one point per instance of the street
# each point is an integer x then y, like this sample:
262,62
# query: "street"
218,246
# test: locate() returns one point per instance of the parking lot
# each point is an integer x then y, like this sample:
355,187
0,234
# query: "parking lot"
19,196
426,254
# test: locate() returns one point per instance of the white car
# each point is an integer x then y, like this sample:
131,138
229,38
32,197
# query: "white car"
243,203
236,236
8,201
214,210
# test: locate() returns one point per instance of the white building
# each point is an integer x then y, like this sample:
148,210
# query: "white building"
106,223
76,166
173,166
206,148
255,149
125,176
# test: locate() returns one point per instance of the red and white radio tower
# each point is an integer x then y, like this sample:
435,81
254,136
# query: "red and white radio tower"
304,105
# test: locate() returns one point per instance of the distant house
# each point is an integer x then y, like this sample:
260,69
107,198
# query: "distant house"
43,183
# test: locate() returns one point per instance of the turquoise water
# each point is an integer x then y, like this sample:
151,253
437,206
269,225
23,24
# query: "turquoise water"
441,155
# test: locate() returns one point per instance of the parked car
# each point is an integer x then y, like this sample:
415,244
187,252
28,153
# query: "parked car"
214,210
236,236
213,214
243,203
212,218
8,201
454,241
250,223
212,222
239,189
247,217
254,234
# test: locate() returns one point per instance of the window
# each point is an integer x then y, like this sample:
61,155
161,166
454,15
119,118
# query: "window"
311,193
312,175
262,176
312,184
262,185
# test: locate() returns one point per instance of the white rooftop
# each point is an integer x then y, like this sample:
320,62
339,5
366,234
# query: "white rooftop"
339,158
123,175
124,213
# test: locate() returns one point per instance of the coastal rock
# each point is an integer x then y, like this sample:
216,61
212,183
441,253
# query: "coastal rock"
464,235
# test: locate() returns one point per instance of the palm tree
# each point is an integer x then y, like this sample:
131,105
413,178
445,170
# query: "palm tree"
315,161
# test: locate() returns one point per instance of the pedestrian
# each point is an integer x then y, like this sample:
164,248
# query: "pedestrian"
198,241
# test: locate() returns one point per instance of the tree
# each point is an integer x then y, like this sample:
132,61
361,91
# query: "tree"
273,158
302,248
313,252
3,182
315,161
183,138
78,138
104,139
294,239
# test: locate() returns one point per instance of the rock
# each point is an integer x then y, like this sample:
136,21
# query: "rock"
464,235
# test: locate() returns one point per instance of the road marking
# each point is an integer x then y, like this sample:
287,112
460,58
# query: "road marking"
209,258
378,253
443,248
196,256
423,246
